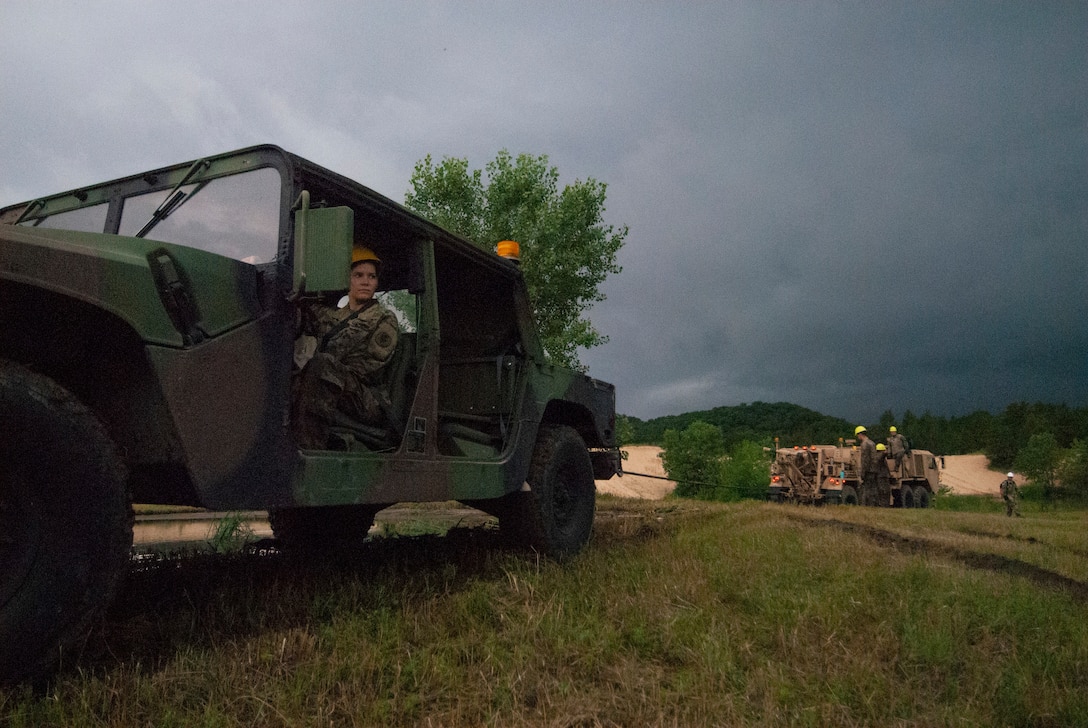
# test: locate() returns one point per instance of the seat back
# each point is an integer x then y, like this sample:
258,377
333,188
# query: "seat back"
399,381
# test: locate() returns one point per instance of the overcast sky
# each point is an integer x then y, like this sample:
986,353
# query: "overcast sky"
853,207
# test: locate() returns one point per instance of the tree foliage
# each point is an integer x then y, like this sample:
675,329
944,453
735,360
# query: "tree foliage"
1073,469
692,457
758,422
1039,460
745,472
696,459
566,249
625,431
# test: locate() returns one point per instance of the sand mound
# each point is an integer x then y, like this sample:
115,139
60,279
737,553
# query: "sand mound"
640,459
971,475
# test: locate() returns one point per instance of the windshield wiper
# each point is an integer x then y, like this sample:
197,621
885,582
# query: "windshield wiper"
30,210
176,197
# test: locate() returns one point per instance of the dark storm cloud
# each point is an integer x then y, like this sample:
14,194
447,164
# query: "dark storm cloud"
850,207
895,218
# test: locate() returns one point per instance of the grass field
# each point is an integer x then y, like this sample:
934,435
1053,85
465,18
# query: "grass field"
678,614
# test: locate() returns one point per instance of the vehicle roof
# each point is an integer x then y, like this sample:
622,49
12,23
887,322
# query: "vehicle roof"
303,173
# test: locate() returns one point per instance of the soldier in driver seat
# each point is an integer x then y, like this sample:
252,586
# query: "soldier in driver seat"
353,344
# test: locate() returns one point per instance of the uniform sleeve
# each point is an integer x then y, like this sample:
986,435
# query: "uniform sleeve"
371,354
317,318
384,342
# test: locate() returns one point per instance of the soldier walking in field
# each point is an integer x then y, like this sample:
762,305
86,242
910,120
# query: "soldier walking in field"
868,465
899,451
1011,494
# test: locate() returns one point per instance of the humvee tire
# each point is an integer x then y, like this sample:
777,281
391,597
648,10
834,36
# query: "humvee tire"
849,496
555,516
321,528
65,521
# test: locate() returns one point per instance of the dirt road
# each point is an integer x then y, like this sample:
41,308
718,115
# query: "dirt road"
971,475
963,474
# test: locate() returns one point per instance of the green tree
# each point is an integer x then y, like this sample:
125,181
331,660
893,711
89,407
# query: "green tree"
745,473
566,249
1038,460
886,421
692,458
1073,470
625,430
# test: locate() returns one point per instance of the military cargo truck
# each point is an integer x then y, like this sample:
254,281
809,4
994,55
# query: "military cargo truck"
816,474
148,331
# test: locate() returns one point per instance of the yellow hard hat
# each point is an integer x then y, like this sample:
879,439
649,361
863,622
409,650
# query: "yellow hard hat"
361,253
892,429
858,430
880,446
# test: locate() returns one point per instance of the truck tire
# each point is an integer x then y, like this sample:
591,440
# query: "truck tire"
905,499
321,528
555,516
921,497
65,522
849,496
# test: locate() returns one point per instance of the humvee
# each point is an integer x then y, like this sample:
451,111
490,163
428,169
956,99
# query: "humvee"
148,330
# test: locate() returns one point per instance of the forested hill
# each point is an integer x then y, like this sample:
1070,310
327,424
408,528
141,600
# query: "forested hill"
758,422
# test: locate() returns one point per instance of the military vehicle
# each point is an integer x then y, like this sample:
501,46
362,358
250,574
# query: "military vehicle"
815,474
148,332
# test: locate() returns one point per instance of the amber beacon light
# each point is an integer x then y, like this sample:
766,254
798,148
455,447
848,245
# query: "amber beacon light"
509,249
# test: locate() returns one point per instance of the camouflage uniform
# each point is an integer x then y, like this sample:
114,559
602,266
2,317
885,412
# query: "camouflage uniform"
868,472
1011,494
897,449
341,377
883,494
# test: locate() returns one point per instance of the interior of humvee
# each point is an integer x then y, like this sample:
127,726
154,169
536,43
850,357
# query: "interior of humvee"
480,356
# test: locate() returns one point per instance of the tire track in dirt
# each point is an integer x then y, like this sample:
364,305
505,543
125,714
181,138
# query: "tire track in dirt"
972,559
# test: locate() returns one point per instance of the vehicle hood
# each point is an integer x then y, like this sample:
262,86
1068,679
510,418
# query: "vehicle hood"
120,274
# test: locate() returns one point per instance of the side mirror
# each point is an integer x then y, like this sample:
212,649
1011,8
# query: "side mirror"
323,242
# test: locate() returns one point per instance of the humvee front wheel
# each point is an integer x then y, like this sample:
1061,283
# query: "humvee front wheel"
849,496
555,516
65,521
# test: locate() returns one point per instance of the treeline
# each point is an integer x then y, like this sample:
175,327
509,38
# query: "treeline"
1000,436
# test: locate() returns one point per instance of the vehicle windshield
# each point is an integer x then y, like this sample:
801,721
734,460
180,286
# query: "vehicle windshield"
87,219
237,216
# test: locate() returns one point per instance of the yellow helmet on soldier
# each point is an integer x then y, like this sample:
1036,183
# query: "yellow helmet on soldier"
858,430
892,429
880,446
361,253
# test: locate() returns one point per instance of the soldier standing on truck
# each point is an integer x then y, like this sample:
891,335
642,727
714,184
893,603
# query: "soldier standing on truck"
353,344
868,465
897,445
1011,494
883,482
